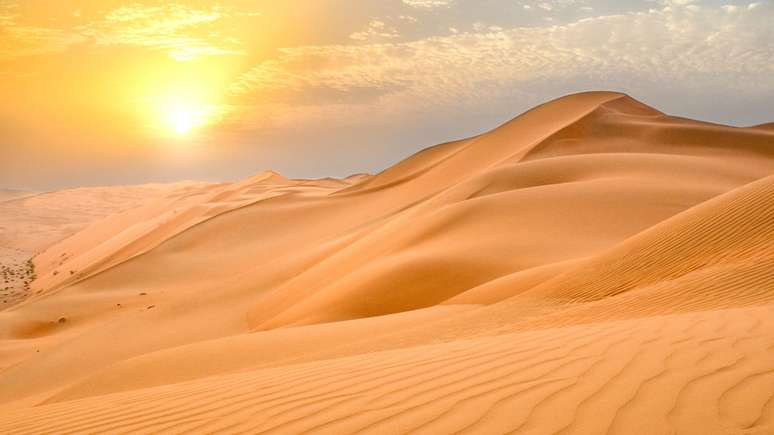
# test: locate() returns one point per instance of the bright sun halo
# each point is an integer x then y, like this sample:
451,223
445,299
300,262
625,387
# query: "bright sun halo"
181,120
181,114
182,117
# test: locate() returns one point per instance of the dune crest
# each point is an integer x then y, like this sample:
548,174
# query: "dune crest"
592,266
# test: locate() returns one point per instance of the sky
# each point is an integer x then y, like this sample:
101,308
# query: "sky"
102,92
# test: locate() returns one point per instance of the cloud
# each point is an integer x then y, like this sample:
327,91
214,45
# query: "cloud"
24,40
182,31
552,5
705,47
376,29
427,4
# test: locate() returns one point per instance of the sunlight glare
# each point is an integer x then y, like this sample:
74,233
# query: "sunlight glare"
184,116
181,120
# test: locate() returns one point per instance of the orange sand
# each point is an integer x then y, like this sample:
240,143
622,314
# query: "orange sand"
592,266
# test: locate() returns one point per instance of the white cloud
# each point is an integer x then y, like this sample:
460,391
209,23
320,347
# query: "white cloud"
706,47
552,5
183,32
427,4
174,27
376,29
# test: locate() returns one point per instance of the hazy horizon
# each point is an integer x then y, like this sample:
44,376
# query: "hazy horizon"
104,93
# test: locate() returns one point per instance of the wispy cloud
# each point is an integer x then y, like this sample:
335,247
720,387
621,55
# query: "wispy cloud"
22,39
427,4
376,29
182,31
551,5
694,46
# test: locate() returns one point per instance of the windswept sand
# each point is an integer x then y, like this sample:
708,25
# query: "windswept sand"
10,194
31,221
592,266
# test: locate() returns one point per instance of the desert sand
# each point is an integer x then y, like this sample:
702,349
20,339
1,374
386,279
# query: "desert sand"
592,266
32,221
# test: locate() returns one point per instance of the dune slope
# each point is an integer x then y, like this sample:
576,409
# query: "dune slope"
592,266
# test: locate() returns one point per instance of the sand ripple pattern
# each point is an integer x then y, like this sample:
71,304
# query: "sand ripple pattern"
691,371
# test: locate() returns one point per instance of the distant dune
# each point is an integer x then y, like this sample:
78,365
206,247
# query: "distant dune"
592,266
9,194
30,222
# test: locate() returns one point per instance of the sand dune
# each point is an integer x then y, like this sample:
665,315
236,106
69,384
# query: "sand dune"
30,222
592,266
11,194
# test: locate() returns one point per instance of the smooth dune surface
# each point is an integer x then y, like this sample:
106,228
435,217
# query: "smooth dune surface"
592,266
32,221
9,194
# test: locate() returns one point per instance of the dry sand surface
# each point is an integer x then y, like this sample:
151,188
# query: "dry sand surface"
31,221
592,266
9,194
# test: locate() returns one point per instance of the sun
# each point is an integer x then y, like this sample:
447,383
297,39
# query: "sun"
181,120
183,117
182,113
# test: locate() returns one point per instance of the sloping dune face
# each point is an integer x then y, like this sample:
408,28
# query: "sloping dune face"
592,266
31,221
